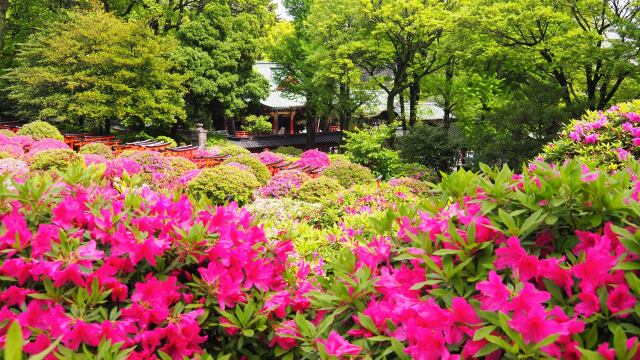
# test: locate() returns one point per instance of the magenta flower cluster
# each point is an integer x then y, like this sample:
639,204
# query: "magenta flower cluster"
314,159
267,157
283,183
102,244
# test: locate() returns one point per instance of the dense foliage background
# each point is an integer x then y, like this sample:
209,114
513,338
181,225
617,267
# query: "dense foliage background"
508,74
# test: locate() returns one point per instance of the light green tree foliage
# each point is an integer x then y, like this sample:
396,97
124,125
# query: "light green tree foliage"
370,147
332,26
93,68
587,47
398,46
219,48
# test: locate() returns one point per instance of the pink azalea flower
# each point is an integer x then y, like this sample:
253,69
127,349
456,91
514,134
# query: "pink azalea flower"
575,136
494,294
516,258
336,345
529,298
285,334
591,139
534,325
620,299
589,304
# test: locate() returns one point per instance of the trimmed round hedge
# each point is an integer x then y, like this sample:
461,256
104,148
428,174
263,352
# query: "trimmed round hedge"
348,174
232,150
40,130
288,150
416,171
97,149
179,165
316,190
8,133
257,168
171,141
56,159
223,184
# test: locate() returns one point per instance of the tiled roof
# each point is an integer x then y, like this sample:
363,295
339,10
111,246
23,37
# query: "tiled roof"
277,99
274,141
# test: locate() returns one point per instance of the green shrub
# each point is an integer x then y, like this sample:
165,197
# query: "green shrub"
230,149
257,125
432,145
7,133
5,155
56,159
318,190
369,147
289,151
222,184
167,139
40,130
179,165
216,139
257,168
417,171
348,174
97,149
338,158
411,184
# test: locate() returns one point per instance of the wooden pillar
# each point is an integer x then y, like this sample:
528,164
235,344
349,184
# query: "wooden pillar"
275,123
293,113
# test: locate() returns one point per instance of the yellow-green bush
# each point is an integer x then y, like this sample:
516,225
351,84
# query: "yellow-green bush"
97,149
56,159
40,130
257,168
223,184
317,190
349,174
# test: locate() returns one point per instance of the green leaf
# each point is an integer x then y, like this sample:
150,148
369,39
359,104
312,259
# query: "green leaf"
368,323
43,354
14,342
546,341
483,332
486,350
620,342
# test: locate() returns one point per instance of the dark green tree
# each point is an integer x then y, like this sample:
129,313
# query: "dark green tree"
219,49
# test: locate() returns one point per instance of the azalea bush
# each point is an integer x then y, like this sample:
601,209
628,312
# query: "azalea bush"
314,159
349,174
89,269
40,130
600,138
284,183
55,159
318,190
257,168
223,184
97,149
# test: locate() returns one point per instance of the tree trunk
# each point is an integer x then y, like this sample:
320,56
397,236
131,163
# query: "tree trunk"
4,6
391,112
341,104
414,98
107,126
447,99
311,129
403,113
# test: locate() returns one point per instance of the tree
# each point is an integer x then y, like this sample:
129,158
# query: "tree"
586,46
94,68
219,48
434,146
397,45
